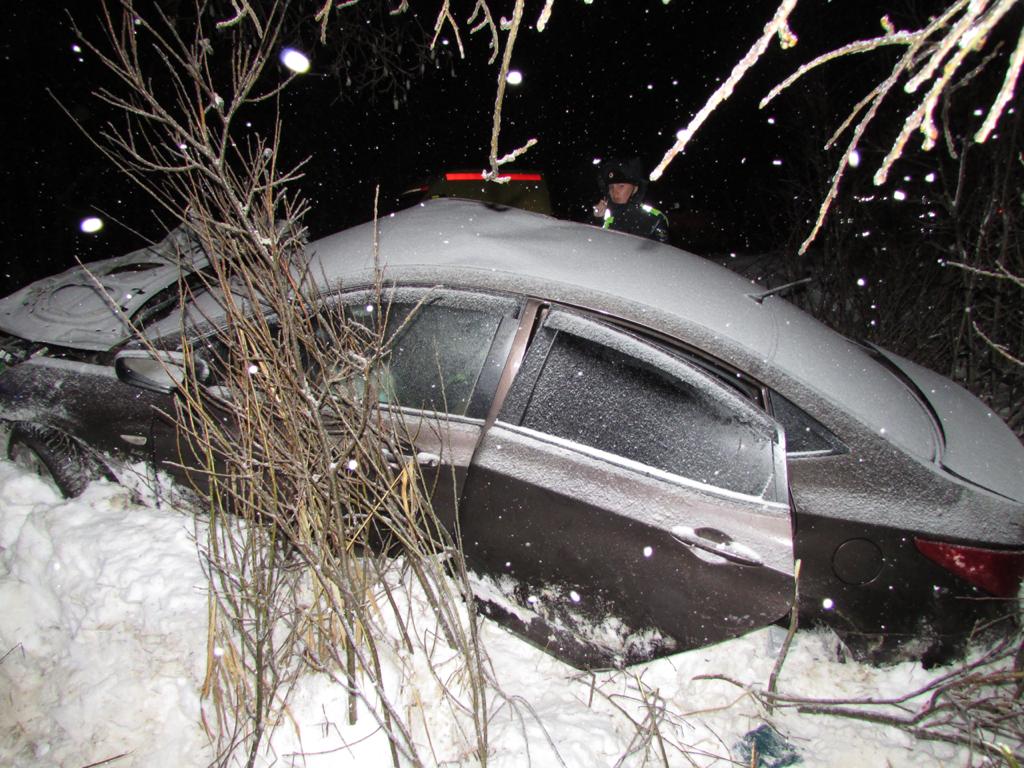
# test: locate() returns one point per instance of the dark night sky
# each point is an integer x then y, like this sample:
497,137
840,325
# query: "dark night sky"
601,80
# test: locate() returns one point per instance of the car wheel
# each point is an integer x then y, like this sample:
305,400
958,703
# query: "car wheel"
55,456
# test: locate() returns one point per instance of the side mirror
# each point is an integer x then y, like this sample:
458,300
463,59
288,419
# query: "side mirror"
158,371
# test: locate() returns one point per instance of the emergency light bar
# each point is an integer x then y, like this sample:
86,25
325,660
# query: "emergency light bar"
479,176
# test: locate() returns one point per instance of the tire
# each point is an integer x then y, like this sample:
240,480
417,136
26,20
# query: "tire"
55,456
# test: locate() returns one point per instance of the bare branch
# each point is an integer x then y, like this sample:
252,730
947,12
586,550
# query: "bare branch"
242,10
964,34
948,42
779,25
1002,274
1005,92
486,20
861,46
445,16
511,156
1000,348
940,47
513,31
545,15
794,621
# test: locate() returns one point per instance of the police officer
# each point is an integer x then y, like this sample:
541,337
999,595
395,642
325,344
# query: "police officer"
624,183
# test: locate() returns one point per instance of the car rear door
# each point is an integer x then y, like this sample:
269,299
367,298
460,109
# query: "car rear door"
624,503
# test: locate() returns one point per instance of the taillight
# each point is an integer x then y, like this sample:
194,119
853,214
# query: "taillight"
998,572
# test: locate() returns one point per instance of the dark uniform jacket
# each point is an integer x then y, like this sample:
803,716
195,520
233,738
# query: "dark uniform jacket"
634,217
637,219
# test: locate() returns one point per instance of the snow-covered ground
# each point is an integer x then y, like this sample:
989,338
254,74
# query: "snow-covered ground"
103,615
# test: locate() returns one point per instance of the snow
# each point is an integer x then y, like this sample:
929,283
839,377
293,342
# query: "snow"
103,651
100,599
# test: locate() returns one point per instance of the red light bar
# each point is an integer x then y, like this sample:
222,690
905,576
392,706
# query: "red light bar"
998,572
479,176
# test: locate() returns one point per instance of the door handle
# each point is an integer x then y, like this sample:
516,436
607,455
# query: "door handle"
422,458
717,543
427,459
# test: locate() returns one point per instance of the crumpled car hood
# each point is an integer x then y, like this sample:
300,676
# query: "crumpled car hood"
76,308
978,446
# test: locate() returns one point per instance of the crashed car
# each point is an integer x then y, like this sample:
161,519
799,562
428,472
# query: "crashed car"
638,448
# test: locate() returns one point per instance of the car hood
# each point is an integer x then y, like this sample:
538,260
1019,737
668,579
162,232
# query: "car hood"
88,306
977,446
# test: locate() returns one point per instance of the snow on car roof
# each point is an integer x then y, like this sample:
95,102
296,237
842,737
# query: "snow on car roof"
473,245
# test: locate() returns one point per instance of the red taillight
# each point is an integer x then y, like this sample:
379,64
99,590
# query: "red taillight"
480,175
998,572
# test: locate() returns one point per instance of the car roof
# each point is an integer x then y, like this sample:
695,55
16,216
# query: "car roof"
477,245
467,244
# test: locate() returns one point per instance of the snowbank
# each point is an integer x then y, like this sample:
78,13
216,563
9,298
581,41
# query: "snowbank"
103,627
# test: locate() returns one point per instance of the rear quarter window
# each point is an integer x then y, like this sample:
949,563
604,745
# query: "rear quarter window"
805,435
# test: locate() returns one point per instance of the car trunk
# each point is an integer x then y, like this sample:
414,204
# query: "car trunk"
977,446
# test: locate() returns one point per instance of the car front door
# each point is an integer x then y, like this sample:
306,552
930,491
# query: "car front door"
433,387
446,351
625,503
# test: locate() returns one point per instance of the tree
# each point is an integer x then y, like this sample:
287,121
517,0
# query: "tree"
945,61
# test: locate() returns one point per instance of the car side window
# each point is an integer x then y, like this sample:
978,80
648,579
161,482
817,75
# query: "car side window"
805,435
619,395
438,345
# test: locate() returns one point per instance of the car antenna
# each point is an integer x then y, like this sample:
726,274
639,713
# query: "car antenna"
760,297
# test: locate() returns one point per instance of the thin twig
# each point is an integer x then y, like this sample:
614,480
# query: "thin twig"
778,26
510,41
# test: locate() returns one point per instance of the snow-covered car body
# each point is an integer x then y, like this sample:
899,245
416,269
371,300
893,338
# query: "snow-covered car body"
91,307
642,443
